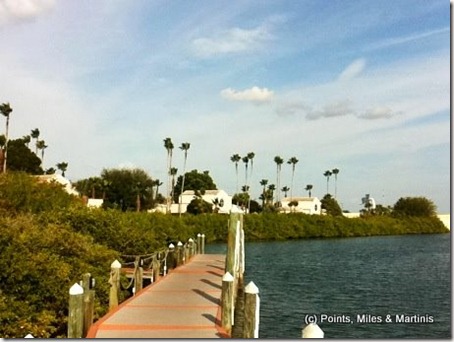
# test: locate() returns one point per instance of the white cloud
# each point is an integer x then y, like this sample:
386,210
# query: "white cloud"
340,108
380,112
407,39
13,10
254,94
353,70
234,40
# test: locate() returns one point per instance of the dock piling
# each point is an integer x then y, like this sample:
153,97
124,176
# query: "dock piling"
76,312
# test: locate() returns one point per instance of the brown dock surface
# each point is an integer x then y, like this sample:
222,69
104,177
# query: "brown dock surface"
183,304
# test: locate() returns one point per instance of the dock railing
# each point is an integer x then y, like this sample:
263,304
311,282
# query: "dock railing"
151,266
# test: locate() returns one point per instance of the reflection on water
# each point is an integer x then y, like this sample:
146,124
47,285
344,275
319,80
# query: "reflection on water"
372,277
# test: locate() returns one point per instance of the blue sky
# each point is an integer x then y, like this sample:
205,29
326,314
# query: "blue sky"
362,86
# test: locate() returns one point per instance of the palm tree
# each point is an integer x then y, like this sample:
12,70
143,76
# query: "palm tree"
26,139
285,189
6,110
62,167
270,192
246,163
251,156
105,185
184,147
35,135
173,173
168,144
327,174
309,188
157,183
335,171
41,145
263,183
236,158
279,161
292,161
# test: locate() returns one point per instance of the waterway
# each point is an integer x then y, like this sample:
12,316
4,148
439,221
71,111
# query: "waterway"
368,287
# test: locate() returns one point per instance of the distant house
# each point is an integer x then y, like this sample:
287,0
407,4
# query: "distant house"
59,179
95,202
306,205
219,199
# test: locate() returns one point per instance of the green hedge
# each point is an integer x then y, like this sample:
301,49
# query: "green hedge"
48,240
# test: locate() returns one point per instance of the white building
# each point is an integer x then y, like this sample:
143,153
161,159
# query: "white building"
59,179
220,197
306,205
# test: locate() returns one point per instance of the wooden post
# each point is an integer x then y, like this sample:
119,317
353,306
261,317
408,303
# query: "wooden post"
138,275
202,249
242,255
191,247
199,243
89,301
227,302
114,282
231,240
76,311
179,254
251,311
170,261
187,251
312,330
156,268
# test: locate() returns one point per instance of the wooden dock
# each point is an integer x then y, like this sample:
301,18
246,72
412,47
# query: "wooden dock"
184,304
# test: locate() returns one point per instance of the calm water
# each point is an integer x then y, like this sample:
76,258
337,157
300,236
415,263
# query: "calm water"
342,278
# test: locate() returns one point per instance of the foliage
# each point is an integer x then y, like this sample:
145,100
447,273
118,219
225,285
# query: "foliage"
195,181
331,206
38,265
21,158
128,189
414,206
45,248
241,199
199,206
20,192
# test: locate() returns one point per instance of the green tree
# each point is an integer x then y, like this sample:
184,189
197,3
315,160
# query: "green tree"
414,206
199,206
279,161
63,166
35,135
173,173
26,139
309,189
292,161
263,183
6,110
168,145
331,206
335,172
127,187
246,164
22,159
285,190
236,159
196,181
327,174
157,183
41,145
241,199
184,147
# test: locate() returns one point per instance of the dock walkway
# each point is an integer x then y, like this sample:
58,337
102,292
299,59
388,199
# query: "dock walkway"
183,304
